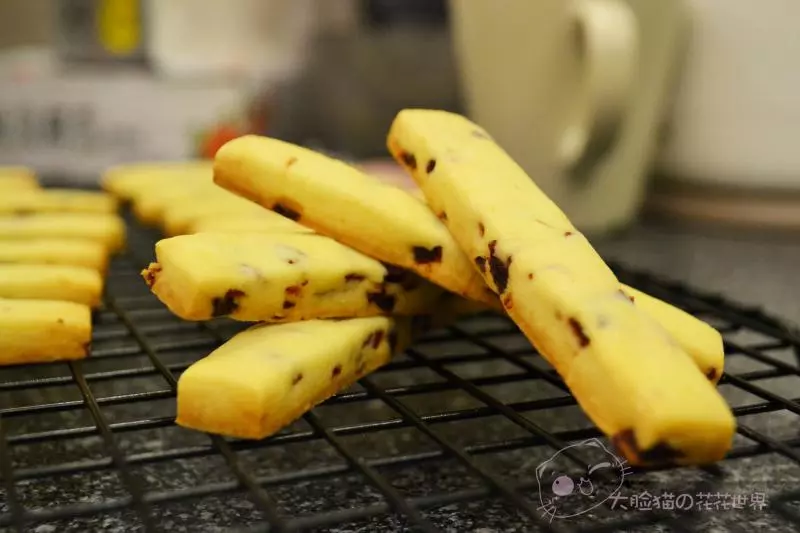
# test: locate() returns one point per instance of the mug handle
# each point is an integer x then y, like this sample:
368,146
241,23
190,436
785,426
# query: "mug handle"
607,35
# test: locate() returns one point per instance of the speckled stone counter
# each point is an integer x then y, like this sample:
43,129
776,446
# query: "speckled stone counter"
749,269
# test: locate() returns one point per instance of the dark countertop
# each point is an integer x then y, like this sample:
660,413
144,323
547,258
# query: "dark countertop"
750,269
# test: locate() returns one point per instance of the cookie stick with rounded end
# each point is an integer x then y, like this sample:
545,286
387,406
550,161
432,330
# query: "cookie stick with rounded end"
701,341
626,372
41,331
279,278
269,375
336,199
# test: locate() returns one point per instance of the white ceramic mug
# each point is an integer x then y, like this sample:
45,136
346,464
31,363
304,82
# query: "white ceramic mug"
573,90
736,115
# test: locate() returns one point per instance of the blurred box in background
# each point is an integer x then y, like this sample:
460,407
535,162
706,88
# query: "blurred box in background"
85,84
75,126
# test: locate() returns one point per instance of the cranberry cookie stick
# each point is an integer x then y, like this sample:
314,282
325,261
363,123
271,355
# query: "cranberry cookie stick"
280,277
336,199
626,372
266,377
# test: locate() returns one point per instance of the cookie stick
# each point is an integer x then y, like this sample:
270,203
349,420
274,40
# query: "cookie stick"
334,198
178,219
41,331
625,371
57,201
149,206
278,278
107,229
263,222
702,342
267,376
131,180
75,252
51,282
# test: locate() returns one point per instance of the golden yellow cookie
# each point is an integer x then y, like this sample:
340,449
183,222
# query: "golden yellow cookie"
178,218
263,222
51,282
41,331
75,252
334,198
269,375
149,207
702,342
57,201
627,373
278,278
106,229
17,179
136,179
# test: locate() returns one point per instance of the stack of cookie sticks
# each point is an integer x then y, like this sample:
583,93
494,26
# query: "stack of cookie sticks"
365,261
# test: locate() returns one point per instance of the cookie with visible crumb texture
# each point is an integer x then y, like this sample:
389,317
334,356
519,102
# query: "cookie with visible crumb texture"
279,278
338,200
267,376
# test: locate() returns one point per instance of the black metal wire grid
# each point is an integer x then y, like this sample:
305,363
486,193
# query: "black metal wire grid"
446,437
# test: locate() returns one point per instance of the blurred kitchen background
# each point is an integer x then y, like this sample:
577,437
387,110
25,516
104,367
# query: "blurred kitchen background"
619,109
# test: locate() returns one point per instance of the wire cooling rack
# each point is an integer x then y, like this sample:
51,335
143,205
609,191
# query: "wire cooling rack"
447,437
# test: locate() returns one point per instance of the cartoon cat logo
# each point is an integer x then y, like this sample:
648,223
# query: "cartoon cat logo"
566,489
